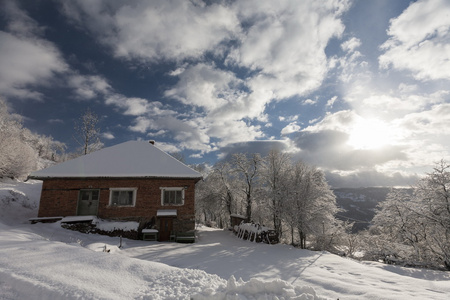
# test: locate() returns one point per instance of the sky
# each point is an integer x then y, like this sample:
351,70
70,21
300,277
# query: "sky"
359,89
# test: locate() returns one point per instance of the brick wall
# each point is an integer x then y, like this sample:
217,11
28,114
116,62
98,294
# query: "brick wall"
59,197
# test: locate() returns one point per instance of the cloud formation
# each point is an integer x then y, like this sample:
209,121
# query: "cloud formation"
26,58
280,53
419,41
247,76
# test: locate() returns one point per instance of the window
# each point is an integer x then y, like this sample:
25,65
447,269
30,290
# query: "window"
89,195
122,196
172,196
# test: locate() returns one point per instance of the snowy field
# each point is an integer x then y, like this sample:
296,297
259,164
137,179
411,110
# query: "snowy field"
45,261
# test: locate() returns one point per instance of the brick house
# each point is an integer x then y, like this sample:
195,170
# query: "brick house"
133,181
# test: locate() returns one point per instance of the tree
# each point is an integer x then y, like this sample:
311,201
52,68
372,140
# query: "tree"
275,172
17,158
87,132
216,199
247,168
311,205
417,225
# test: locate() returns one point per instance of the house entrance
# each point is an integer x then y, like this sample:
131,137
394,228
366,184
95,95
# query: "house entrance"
165,228
88,202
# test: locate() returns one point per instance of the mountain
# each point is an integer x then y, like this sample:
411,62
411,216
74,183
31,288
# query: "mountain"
359,204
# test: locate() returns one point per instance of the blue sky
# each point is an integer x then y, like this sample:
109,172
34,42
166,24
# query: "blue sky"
359,89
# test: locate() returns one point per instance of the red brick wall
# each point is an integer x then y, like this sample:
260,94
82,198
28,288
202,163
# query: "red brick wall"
59,197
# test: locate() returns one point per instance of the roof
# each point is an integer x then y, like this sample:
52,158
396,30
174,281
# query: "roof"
129,159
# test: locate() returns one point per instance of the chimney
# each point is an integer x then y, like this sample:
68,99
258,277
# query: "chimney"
152,142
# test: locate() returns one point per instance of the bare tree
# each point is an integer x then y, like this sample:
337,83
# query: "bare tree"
87,132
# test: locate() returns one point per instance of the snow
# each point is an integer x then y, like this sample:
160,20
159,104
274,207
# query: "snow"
79,219
129,159
149,231
45,261
111,226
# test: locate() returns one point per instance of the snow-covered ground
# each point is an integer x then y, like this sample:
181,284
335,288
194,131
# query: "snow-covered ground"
45,261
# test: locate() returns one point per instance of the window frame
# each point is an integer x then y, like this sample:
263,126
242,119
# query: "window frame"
80,192
178,188
129,189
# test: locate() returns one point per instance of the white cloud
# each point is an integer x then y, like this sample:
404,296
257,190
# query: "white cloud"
133,106
419,41
290,128
26,59
288,118
87,87
152,30
309,102
108,135
205,86
331,101
280,50
232,131
286,44
351,44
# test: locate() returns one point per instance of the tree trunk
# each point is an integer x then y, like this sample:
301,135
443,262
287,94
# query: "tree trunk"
302,237
249,208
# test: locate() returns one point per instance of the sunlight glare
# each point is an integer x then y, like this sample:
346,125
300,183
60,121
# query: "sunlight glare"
370,134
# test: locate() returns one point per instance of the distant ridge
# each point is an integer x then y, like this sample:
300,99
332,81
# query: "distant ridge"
360,204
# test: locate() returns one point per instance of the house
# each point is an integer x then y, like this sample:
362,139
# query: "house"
132,181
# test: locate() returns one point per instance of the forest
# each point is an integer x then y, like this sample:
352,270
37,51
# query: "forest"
411,227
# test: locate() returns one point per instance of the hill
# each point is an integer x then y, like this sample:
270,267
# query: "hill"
360,204
45,261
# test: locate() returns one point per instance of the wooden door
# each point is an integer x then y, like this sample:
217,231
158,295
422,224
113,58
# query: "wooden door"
88,202
165,228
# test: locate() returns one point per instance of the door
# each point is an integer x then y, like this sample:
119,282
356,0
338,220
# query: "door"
88,202
165,228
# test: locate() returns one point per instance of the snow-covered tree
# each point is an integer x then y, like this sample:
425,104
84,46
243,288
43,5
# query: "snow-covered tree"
310,203
247,168
417,225
17,158
275,172
87,132
22,151
216,195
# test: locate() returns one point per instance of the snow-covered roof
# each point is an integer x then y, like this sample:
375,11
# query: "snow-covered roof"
129,159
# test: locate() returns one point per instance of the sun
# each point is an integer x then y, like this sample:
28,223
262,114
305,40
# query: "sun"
370,134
